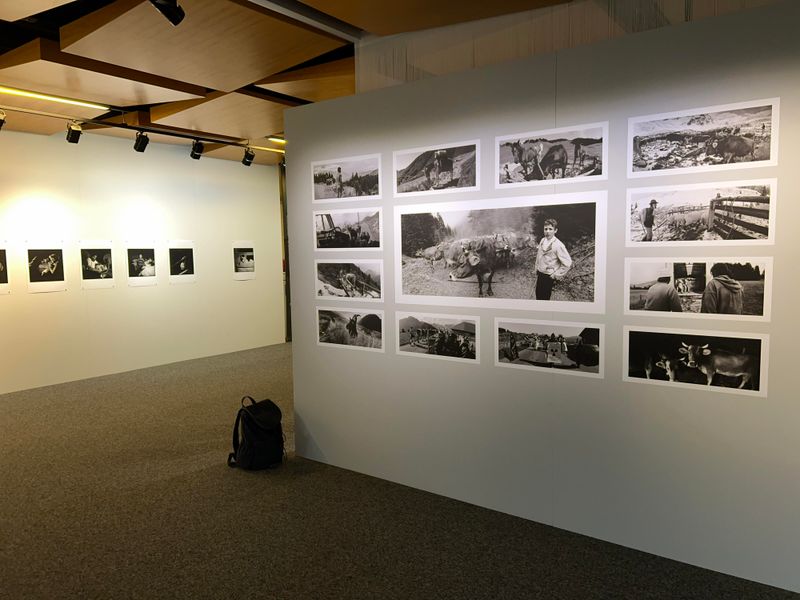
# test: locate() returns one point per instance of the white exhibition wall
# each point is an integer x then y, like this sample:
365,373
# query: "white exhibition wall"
686,472
54,194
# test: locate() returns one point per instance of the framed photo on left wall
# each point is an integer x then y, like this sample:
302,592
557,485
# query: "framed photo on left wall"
3,269
244,260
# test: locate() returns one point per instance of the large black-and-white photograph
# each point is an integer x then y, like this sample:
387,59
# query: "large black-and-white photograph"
3,271
141,266
181,261
244,260
711,360
710,214
450,337
561,155
574,348
719,288
353,178
348,229
729,136
46,270
540,253
437,169
349,279
362,330
97,265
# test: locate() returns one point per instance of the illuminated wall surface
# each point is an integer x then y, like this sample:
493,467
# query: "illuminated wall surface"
54,195
703,475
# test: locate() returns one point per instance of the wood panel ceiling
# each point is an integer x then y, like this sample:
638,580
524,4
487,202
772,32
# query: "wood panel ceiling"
13,10
317,83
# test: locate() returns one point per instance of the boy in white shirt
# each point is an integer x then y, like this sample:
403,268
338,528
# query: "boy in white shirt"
552,261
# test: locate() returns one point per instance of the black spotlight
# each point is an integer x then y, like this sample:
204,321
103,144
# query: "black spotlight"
170,9
197,150
140,144
249,155
73,132
2,119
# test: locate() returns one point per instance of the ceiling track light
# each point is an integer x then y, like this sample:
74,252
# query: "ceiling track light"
74,132
249,155
140,144
197,150
2,119
170,9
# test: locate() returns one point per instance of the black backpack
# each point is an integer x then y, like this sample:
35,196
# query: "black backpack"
261,445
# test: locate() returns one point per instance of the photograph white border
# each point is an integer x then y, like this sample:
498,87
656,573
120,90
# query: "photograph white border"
377,196
773,204
449,190
180,279
245,276
334,211
764,364
99,284
533,368
381,350
403,314
765,318
43,287
5,288
773,149
515,136
141,281
378,261
599,198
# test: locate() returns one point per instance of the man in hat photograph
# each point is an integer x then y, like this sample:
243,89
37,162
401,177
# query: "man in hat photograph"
648,218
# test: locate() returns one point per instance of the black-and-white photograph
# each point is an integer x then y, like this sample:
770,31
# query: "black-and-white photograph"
96,263
141,263
709,214
3,267
181,261
713,360
437,169
543,253
574,348
46,270
451,337
728,288
353,178
552,156
347,329
727,136
348,229
349,279
244,260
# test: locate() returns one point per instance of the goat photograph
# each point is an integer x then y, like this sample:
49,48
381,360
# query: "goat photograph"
711,360
731,213
338,279
561,155
450,337
707,288
538,253
353,178
437,169
728,136
347,329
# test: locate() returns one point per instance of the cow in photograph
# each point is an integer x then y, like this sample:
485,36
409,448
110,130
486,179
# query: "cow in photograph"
453,253
526,156
554,160
731,147
477,258
712,362
432,254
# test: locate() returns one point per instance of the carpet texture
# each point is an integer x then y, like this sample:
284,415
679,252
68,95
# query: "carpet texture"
116,487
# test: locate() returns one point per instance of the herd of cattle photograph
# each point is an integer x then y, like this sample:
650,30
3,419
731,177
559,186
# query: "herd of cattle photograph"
547,252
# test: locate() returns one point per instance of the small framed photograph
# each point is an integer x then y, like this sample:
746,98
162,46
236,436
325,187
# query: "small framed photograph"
4,287
348,229
97,264
360,280
352,178
46,269
181,261
447,337
552,346
354,329
141,265
244,260
444,169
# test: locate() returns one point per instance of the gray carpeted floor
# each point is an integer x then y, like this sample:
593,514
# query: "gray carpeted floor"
116,487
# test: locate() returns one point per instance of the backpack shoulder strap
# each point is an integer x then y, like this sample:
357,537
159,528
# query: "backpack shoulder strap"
232,455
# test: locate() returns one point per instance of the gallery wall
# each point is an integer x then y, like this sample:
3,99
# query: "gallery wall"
701,474
55,195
